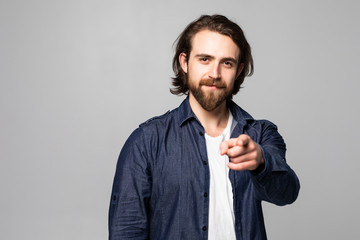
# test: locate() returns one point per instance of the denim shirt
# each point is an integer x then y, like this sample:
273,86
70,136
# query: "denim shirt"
162,179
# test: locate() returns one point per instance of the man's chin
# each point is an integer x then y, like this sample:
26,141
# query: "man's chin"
211,104
209,99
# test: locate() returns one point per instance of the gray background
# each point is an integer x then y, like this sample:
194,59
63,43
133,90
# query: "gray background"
78,76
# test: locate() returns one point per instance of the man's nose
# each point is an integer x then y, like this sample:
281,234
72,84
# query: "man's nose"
214,71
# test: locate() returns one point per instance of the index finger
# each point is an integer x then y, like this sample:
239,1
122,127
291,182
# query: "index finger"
242,140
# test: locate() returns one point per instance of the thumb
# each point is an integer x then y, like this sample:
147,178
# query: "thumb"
224,147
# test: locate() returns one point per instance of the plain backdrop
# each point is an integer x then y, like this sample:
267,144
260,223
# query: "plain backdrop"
77,77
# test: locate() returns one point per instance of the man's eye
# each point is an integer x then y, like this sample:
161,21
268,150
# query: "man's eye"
204,59
228,64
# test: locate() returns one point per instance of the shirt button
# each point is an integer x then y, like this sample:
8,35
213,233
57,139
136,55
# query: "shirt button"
204,228
205,194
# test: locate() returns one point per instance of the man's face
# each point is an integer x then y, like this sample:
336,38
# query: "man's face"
212,68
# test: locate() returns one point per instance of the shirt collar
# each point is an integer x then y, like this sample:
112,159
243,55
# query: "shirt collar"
185,112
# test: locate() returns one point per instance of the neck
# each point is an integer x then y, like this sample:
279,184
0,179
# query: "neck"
215,121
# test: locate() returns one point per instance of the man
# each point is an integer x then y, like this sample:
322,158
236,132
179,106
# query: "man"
202,170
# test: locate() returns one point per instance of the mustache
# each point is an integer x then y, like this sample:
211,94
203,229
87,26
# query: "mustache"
211,82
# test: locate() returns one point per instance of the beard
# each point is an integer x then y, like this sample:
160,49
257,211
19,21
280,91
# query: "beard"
210,100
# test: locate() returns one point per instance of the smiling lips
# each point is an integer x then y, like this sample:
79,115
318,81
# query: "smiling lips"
212,83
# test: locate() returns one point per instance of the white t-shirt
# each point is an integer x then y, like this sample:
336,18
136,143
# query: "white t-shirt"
221,212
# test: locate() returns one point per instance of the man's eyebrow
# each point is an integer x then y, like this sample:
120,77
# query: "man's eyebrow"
227,59
203,55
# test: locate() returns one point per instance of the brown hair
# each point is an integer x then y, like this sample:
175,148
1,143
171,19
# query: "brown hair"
216,23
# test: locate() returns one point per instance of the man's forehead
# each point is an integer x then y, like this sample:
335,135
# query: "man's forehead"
214,43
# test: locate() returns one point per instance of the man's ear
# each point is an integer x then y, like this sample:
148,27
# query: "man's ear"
183,62
240,68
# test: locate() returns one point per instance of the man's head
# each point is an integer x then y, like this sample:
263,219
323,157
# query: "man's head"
217,24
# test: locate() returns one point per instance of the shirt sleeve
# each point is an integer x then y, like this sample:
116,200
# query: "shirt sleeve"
128,213
277,182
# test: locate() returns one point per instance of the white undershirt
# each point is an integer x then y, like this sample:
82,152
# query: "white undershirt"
221,212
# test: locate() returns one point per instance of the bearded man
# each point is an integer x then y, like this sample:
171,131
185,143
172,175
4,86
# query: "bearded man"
202,170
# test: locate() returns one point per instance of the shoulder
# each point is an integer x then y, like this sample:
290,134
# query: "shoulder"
166,120
156,120
246,119
145,139
263,124
147,130
261,130
268,133
155,125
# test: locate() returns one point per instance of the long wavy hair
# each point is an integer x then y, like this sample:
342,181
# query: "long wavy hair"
216,23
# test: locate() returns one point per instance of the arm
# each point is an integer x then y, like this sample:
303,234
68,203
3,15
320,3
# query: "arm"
128,213
272,177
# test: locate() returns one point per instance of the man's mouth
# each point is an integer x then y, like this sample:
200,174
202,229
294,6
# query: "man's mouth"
212,86
212,83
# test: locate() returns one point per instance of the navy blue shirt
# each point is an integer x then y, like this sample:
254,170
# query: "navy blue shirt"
162,179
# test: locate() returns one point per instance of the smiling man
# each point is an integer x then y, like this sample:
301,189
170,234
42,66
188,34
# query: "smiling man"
202,170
